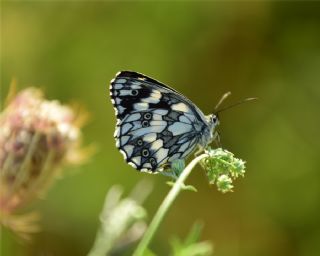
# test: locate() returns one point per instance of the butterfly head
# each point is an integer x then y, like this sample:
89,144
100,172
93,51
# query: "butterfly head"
214,120
215,134
212,133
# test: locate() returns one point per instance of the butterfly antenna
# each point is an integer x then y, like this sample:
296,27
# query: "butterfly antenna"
222,99
235,104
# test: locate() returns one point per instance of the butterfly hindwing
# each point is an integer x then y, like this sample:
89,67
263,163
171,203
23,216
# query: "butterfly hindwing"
155,125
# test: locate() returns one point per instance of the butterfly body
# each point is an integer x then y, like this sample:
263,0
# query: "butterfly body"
156,124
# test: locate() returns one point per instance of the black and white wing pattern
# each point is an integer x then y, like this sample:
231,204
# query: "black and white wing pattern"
155,124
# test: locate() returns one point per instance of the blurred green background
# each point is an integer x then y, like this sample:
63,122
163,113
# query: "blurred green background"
270,50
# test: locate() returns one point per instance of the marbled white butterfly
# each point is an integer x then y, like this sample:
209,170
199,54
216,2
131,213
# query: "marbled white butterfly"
156,124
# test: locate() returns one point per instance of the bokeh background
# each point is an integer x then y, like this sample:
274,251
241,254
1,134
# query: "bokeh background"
270,50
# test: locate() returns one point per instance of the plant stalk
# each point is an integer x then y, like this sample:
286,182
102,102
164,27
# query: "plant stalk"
164,207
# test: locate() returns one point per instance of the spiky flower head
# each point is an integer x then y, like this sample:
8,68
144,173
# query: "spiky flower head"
37,137
222,168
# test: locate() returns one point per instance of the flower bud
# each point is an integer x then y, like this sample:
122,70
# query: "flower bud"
222,168
36,137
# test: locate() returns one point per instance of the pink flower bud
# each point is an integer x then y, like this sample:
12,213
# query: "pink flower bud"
36,137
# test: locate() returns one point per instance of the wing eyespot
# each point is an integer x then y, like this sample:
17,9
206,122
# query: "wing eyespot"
145,152
145,123
153,161
134,92
140,142
147,116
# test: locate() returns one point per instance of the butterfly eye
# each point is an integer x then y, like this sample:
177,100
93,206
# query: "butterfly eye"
140,142
145,152
145,123
147,116
214,119
134,92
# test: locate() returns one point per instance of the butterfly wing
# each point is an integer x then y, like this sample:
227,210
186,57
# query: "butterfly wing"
155,124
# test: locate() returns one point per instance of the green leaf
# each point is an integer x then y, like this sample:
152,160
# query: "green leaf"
195,233
183,186
148,253
177,166
190,246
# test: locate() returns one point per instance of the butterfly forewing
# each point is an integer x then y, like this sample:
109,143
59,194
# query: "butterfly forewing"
155,124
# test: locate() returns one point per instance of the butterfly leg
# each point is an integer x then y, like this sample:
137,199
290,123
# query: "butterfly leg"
217,139
200,149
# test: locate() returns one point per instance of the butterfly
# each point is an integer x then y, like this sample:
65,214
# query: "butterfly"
156,125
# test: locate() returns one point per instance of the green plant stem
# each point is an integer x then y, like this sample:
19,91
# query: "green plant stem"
164,207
